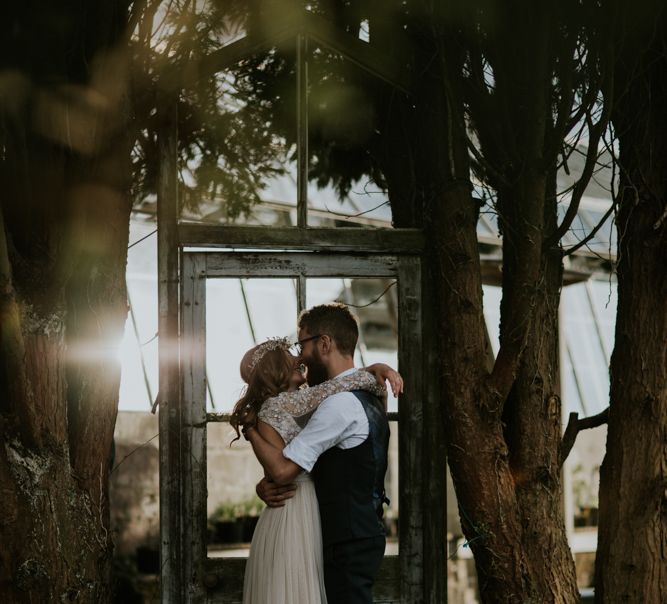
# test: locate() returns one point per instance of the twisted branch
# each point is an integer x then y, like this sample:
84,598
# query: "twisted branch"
575,425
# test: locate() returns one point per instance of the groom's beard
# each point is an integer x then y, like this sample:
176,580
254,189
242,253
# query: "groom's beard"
317,372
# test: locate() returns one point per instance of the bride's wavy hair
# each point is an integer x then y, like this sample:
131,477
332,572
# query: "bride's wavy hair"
268,378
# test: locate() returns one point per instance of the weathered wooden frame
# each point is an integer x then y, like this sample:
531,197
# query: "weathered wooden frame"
221,580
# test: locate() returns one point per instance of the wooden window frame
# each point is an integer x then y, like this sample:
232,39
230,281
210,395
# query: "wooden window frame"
418,573
204,579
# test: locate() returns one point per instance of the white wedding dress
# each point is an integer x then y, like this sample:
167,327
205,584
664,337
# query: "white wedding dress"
285,562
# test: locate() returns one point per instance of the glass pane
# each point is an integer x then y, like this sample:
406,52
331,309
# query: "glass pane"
570,387
365,204
492,298
487,224
232,505
374,303
138,352
586,348
603,298
239,314
577,230
604,240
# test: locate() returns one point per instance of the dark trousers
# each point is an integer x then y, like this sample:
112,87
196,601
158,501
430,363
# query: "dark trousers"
350,569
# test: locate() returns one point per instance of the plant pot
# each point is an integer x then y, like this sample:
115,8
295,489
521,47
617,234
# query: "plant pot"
148,560
249,524
229,531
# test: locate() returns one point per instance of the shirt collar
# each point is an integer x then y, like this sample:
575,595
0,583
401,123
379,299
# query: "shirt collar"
346,372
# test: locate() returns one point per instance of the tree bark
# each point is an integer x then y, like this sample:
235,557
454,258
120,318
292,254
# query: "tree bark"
63,244
631,564
532,420
507,481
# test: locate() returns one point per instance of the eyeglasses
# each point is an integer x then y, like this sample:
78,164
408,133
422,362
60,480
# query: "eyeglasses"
298,346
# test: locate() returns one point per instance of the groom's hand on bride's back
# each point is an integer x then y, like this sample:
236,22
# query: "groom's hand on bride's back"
274,495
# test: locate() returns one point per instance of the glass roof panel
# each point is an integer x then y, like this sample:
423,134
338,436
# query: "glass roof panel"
585,338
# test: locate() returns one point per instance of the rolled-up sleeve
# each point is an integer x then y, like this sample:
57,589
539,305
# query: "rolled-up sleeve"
301,454
327,427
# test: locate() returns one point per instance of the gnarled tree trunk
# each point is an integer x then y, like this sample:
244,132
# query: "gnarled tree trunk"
532,426
63,248
631,564
505,466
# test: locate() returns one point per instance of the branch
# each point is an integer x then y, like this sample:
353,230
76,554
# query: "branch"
500,180
489,131
577,194
575,425
520,282
596,130
590,235
564,106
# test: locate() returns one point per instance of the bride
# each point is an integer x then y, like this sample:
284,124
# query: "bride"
285,561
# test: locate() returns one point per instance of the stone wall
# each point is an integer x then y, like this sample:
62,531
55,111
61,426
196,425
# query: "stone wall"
133,489
233,472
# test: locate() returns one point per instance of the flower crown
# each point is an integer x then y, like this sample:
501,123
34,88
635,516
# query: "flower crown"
264,347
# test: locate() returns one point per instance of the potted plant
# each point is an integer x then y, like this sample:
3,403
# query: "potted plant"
227,528
252,509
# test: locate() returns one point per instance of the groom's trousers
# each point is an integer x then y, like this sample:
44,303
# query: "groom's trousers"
350,569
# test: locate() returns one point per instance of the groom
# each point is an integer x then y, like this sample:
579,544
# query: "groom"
344,446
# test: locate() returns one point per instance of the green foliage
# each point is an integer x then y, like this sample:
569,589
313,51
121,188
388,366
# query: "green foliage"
237,128
227,149
230,511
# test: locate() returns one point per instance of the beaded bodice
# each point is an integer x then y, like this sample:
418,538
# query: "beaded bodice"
289,412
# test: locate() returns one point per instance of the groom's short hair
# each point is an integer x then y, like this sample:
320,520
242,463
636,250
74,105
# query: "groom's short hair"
334,320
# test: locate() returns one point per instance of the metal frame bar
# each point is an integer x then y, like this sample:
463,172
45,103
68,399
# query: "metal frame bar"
434,454
296,264
301,293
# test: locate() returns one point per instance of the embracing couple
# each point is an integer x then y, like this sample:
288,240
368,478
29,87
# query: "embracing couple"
324,453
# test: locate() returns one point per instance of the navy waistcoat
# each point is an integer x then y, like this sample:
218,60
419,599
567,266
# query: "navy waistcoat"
350,482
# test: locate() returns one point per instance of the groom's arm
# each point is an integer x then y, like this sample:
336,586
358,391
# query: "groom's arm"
339,418
281,470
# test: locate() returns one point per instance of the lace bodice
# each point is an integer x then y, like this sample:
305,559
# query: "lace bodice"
289,412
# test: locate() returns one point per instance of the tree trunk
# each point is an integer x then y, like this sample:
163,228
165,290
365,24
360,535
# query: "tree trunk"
63,248
509,497
631,563
532,420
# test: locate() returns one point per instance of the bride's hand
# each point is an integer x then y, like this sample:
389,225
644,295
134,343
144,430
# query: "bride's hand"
248,417
383,373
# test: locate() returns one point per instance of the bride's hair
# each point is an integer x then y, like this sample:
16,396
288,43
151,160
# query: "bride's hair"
269,377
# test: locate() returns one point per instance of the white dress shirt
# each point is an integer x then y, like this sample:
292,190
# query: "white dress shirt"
340,421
